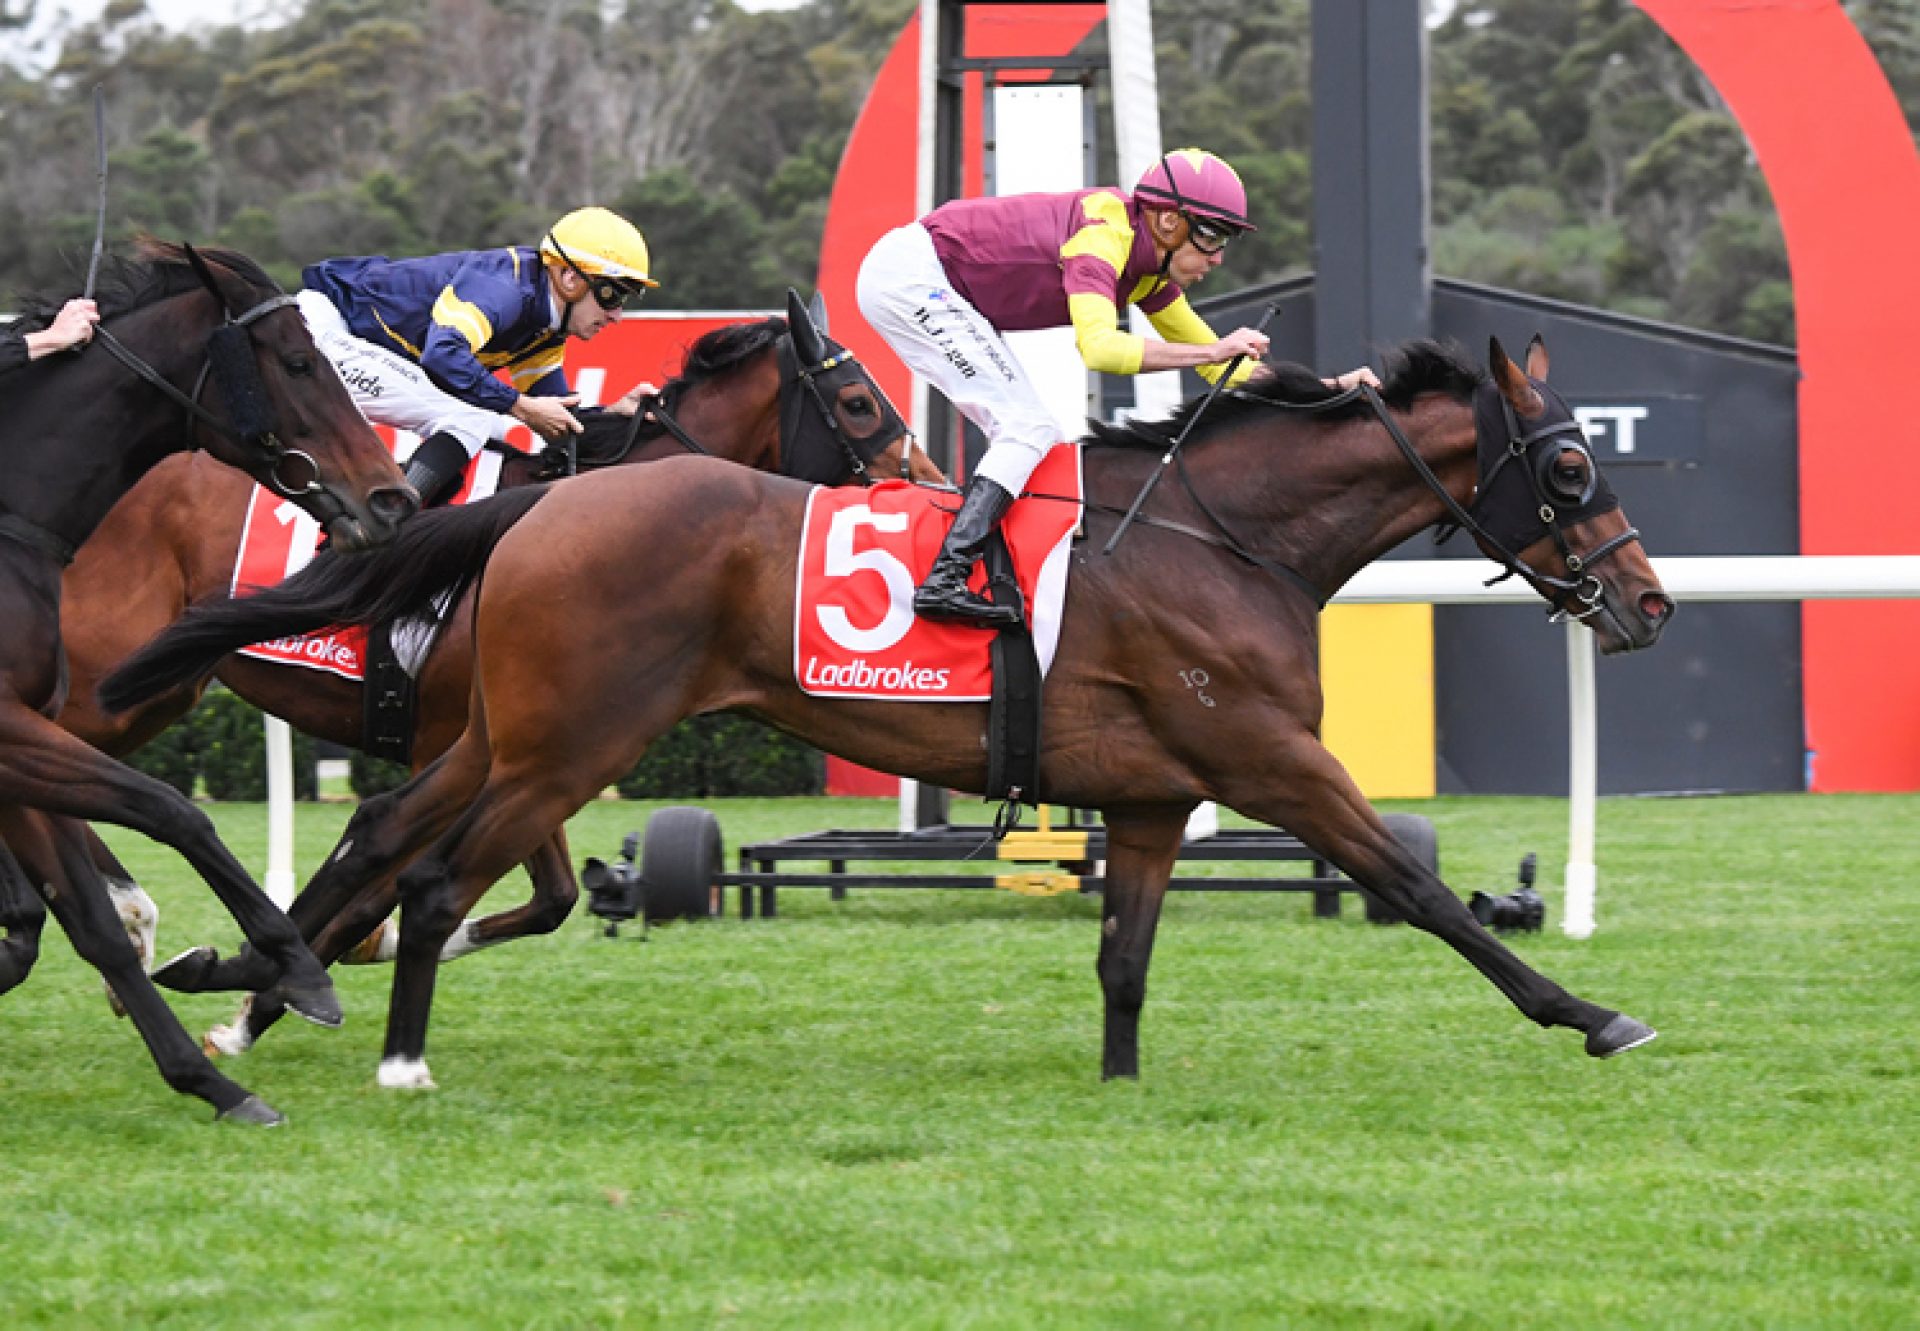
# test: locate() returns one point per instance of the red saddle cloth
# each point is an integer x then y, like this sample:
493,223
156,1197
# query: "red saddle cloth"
278,540
863,551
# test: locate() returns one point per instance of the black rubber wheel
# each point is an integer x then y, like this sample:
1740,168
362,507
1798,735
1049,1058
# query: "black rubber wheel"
679,862
1418,836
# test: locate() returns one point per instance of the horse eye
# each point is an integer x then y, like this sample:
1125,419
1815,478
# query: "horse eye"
299,365
861,406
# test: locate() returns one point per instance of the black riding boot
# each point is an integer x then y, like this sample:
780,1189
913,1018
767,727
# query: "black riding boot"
435,469
945,594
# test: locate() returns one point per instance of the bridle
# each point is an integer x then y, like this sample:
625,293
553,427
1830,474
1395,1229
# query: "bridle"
1583,588
230,349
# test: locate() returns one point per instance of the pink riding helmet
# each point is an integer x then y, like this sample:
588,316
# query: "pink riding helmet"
1195,181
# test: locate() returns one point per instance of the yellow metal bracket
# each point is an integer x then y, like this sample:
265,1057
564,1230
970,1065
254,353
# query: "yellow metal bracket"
1038,884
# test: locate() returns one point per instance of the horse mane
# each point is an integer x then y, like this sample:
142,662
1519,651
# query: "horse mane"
714,355
1412,369
159,269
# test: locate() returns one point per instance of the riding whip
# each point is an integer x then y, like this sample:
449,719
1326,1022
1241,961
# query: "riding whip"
100,176
1173,448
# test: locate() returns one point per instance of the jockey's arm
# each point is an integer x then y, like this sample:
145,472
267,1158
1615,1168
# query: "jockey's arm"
1191,344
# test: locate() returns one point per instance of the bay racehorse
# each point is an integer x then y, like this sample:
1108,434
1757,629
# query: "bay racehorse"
746,392
194,350
688,607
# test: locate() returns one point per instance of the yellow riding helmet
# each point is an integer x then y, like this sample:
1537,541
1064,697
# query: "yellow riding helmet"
600,244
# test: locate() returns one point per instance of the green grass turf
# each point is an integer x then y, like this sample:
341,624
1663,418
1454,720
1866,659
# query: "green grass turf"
886,1112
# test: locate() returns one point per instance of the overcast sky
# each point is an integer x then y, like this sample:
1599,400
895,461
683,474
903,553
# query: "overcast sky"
34,46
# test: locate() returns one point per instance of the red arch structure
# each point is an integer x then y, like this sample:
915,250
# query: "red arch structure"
1841,162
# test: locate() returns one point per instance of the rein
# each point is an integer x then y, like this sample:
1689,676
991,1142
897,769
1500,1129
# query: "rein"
1584,586
655,407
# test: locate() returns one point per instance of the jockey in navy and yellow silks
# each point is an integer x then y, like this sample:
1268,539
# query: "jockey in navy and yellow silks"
418,341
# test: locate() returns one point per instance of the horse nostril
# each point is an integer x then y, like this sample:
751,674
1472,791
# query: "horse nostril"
1656,606
394,504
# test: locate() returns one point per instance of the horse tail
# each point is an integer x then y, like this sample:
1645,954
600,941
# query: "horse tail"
434,554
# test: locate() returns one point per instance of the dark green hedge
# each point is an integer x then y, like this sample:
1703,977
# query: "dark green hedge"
369,776
222,745
725,755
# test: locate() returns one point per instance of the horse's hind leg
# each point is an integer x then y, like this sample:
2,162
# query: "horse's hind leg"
512,817
22,915
1141,847
55,851
555,892
1316,800
354,890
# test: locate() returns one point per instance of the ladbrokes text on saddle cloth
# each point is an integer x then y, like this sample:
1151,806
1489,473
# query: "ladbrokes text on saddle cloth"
862,552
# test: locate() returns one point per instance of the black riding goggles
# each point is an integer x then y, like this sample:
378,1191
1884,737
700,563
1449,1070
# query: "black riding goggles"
609,293
1207,235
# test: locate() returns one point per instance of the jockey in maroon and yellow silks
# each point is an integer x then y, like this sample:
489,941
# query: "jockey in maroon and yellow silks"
943,289
1049,260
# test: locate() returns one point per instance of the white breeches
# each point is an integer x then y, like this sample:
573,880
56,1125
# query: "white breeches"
391,390
906,296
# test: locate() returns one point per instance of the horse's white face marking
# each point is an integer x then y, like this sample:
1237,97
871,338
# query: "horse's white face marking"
340,852
406,1074
1197,680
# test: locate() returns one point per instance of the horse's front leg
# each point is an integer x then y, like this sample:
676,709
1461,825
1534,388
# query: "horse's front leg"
44,767
22,915
1304,789
55,852
1141,848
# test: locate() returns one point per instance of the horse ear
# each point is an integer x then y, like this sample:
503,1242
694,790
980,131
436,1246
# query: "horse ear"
817,311
806,338
1520,394
205,274
1537,361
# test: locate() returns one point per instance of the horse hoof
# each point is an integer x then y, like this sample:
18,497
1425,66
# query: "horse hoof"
318,1003
1618,1036
187,973
406,1074
252,1110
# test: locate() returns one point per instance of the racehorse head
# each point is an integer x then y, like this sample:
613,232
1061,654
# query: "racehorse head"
834,418
276,409
1546,511
772,394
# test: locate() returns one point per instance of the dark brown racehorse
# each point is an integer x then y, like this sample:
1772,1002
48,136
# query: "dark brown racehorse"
690,608
194,351
740,395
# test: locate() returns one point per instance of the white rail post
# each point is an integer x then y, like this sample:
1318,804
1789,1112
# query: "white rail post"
279,882
1583,763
